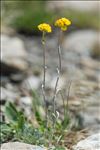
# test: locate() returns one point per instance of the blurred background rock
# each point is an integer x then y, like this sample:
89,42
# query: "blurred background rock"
21,52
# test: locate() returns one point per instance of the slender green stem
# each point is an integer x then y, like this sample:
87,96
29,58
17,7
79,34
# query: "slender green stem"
59,48
59,54
44,59
44,73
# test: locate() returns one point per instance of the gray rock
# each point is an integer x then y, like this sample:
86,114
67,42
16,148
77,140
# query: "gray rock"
25,104
4,80
90,63
92,74
26,100
61,83
80,42
13,54
12,47
32,82
90,143
88,94
20,146
16,78
7,30
7,94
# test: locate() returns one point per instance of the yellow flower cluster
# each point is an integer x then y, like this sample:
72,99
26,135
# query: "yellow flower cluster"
63,23
44,27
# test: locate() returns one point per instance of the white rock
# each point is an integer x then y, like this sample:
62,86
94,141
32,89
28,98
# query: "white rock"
13,52
26,100
32,82
20,146
7,94
12,47
61,82
90,143
80,41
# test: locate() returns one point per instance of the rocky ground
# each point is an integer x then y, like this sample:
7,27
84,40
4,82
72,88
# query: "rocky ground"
22,71
21,66
90,143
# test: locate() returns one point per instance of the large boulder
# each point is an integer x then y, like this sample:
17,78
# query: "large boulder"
90,143
13,55
81,42
20,146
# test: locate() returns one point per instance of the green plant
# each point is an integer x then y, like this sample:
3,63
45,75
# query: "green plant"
51,129
52,121
18,128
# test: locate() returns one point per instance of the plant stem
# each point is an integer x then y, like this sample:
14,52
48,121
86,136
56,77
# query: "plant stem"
59,54
44,59
59,49
44,73
58,71
55,90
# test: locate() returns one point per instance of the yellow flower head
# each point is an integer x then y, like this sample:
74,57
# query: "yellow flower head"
44,27
63,23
